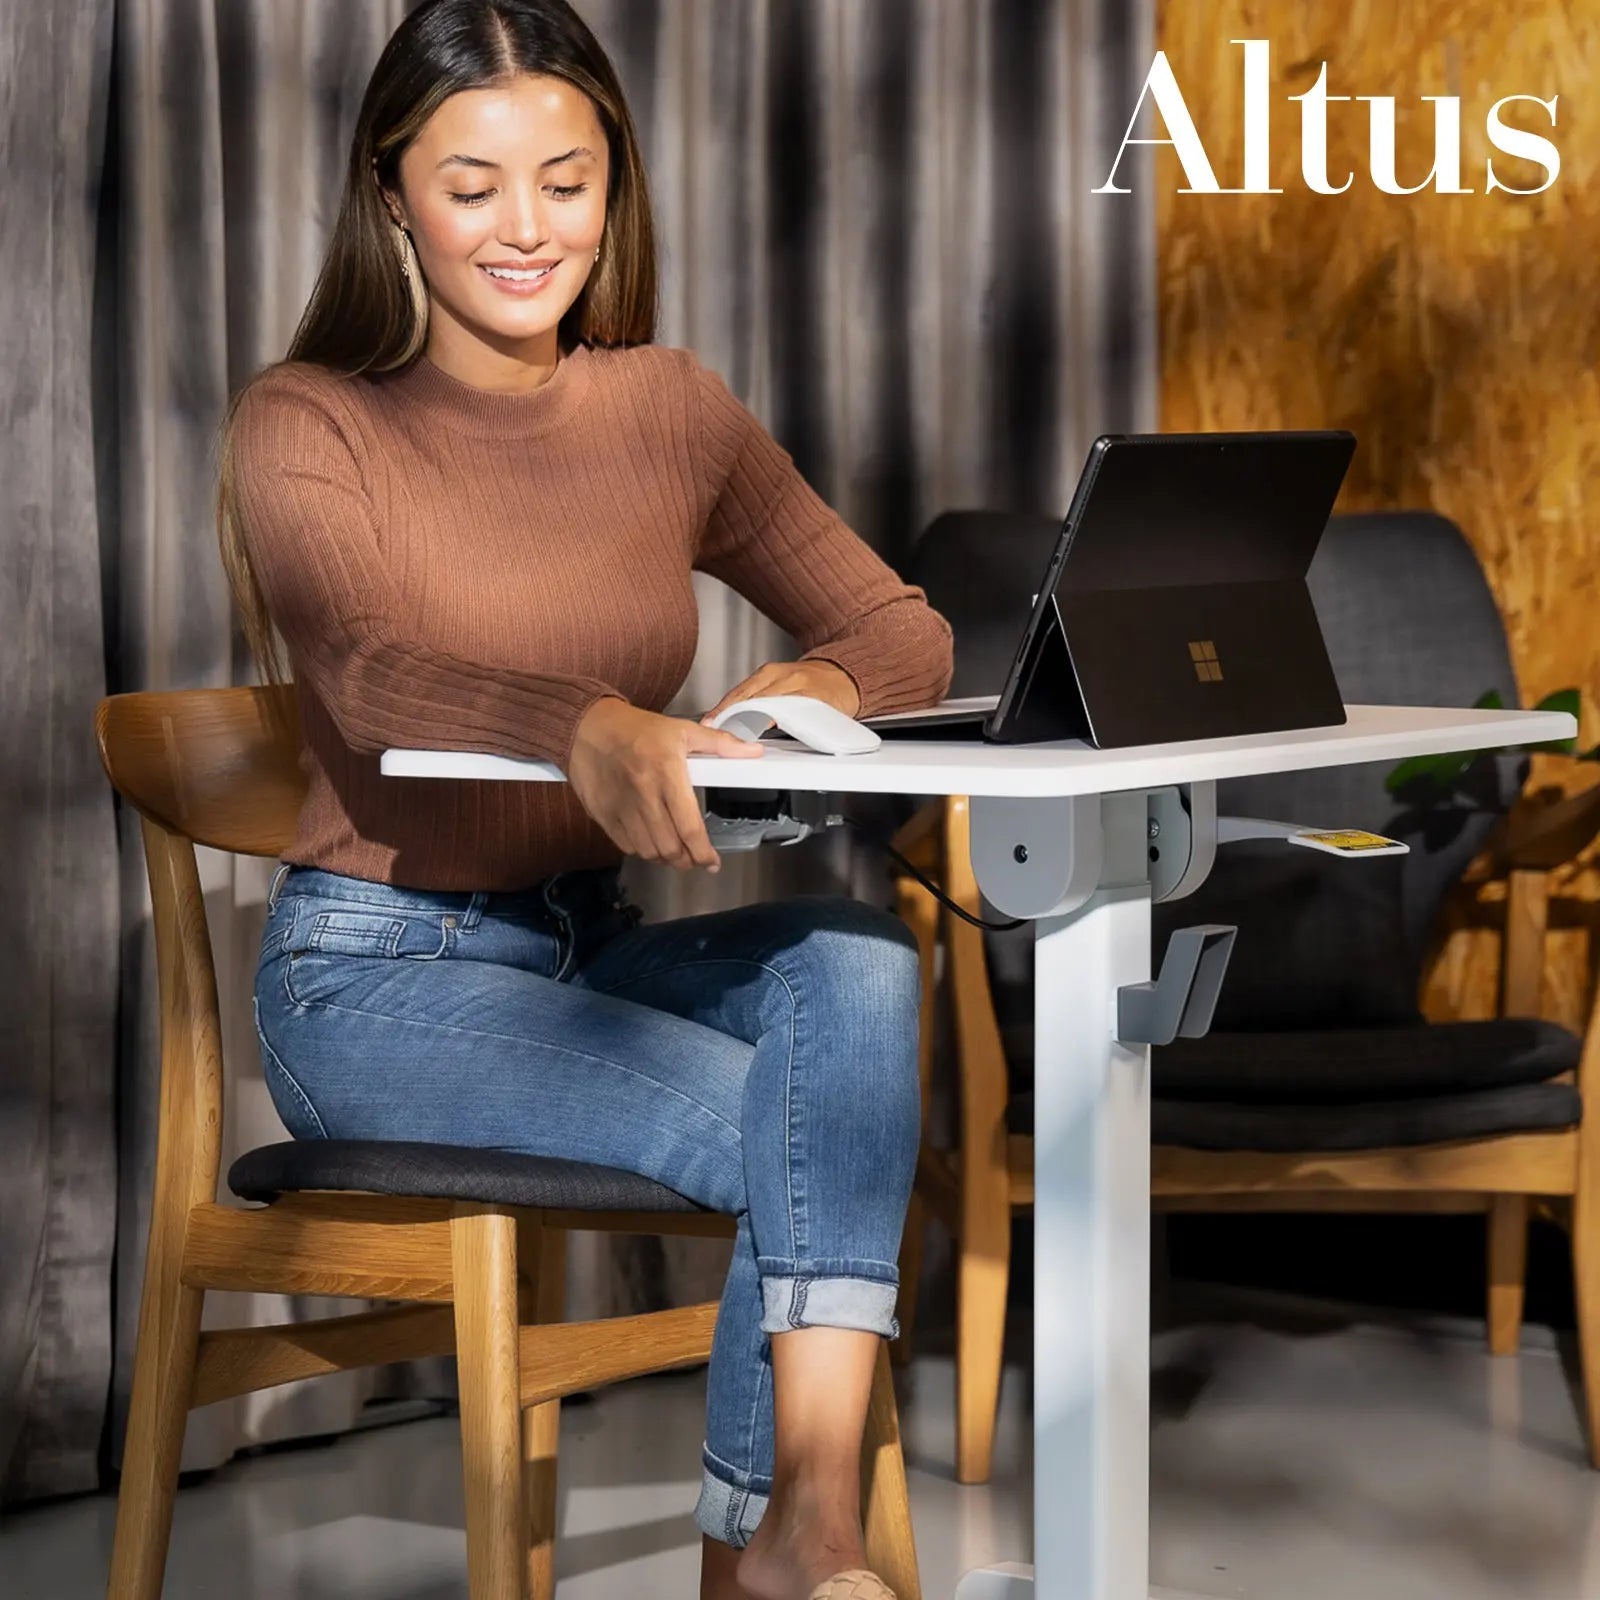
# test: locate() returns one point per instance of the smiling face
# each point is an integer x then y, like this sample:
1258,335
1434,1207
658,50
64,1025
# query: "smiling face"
504,193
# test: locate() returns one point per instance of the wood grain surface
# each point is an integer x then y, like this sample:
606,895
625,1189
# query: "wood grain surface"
1457,335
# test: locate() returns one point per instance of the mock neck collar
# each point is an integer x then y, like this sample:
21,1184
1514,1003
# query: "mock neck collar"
489,413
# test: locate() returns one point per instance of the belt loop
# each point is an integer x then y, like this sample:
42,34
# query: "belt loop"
566,939
277,884
552,906
474,912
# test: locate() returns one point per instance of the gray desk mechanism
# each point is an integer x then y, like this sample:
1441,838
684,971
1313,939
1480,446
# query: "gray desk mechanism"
1046,857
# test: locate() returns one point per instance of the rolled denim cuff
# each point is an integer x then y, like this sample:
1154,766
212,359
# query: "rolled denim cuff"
829,1294
727,1510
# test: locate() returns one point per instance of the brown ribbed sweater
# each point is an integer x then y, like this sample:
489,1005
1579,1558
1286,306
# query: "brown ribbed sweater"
452,568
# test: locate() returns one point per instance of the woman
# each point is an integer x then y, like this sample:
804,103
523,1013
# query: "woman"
470,502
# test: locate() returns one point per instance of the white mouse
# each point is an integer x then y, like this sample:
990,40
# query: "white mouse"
815,723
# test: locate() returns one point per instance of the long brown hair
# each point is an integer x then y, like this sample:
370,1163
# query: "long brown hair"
364,315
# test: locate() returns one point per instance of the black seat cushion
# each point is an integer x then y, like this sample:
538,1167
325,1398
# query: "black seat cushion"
1339,1064
445,1172
1369,1125
1349,1125
1355,1088
1355,1064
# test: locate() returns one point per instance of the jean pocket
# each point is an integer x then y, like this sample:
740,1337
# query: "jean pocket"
319,943
417,936
338,933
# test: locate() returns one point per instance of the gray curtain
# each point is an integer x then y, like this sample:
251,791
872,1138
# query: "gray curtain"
875,221
58,983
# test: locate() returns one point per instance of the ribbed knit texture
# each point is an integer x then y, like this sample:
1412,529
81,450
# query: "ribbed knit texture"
457,569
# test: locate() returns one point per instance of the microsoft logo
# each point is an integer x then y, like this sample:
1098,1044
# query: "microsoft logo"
1207,668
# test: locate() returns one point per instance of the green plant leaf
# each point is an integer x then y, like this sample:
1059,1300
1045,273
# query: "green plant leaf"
1561,700
1446,771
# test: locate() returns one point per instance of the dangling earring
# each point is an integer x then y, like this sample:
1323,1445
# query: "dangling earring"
416,291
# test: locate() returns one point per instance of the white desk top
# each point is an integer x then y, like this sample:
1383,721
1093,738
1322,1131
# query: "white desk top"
1067,767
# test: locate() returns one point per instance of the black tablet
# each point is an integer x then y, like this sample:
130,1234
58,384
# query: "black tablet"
1175,605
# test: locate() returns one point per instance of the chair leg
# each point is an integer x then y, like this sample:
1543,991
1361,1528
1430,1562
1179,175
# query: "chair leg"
544,1255
912,1245
1586,1287
163,1380
1508,1271
983,1272
886,1516
483,1250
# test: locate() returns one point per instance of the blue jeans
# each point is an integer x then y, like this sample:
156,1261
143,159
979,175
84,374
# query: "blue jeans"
760,1061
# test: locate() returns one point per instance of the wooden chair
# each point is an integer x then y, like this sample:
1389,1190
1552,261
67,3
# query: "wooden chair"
473,1241
1234,1125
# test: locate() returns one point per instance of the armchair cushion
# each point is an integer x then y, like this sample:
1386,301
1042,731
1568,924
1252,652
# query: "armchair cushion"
1350,1125
1356,1064
1356,1089
1373,1125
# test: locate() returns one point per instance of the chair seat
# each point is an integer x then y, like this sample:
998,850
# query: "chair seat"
1350,1125
445,1172
1328,1066
1357,1088
1357,1064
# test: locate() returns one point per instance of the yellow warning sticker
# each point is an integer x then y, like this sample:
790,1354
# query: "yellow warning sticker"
1350,841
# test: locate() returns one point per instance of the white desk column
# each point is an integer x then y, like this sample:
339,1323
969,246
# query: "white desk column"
1080,867
1091,1381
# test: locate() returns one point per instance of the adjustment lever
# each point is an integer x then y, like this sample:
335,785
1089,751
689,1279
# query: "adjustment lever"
745,819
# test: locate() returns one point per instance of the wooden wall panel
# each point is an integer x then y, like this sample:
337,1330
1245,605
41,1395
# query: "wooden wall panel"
1458,336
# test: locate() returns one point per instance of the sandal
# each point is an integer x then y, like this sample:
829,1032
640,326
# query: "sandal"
856,1584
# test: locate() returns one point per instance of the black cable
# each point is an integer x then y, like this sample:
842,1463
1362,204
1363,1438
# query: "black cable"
932,887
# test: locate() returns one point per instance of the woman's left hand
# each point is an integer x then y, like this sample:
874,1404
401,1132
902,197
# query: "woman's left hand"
821,680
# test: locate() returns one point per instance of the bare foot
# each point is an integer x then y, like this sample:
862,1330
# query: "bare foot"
790,1556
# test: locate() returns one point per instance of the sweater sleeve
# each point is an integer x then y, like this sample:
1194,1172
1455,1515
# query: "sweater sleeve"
772,538
313,541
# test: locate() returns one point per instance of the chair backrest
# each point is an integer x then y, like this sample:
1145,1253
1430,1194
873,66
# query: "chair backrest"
220,767
1409,619
980,570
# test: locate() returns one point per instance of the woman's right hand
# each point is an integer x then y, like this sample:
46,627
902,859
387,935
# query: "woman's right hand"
629,770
